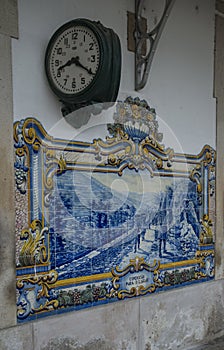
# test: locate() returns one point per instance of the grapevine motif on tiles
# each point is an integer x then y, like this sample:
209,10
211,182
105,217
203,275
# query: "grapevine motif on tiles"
21,168
112,219
79,297
21,211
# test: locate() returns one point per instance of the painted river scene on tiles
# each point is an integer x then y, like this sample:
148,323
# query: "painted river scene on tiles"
109,220
102,220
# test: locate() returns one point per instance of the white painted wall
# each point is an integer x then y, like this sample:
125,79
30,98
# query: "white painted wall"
180,87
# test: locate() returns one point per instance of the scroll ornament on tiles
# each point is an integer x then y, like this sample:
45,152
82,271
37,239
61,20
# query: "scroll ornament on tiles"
111,219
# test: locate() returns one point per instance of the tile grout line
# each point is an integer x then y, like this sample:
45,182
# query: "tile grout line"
139,324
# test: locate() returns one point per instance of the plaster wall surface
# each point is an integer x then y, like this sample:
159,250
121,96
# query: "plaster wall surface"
9,18
185,317
219,93
8,28
180,85
171,320
7,270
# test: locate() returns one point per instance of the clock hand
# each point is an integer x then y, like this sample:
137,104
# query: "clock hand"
68,63
76,61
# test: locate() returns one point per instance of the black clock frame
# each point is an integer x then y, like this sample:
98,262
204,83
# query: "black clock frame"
105,85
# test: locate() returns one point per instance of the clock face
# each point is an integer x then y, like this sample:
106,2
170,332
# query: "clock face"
74,59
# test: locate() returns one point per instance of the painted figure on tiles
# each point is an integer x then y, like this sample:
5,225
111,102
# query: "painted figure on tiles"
139,238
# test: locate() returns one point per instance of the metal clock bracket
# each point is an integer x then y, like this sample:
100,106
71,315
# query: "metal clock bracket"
143,62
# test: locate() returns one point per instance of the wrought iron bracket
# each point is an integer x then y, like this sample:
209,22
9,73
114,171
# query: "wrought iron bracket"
143,62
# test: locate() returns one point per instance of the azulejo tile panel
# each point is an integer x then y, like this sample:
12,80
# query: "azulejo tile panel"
117,218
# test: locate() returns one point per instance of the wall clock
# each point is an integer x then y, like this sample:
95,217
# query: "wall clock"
83,64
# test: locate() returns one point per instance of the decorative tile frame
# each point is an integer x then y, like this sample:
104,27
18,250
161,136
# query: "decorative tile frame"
108,220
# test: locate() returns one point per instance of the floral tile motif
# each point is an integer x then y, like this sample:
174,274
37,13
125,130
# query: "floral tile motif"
113,219
21,216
